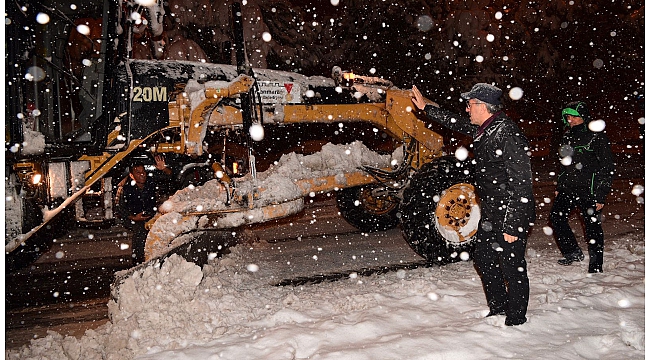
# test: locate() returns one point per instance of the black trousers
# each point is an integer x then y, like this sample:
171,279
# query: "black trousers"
563,204
138,241
503,270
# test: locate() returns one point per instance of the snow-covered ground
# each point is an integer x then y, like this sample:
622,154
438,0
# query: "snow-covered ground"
232,309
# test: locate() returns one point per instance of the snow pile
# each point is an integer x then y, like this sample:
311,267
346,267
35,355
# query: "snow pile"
283,180
278,183
332,160
229,310
209,196
281,186
33,142
176,279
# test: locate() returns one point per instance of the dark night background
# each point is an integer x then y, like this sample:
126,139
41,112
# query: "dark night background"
556,51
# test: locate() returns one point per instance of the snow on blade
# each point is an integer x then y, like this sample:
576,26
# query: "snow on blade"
279,186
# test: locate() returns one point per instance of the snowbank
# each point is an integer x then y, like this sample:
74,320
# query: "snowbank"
230,310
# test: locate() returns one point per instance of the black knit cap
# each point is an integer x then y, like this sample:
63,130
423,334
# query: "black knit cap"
484,92
576,108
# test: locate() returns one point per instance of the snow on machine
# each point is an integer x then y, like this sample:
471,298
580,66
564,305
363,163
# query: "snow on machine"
211,121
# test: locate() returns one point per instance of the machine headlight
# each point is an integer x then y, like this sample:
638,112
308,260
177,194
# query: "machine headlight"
36,178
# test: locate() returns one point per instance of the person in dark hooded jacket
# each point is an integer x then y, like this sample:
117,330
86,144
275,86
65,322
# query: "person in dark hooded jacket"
504,186
584,181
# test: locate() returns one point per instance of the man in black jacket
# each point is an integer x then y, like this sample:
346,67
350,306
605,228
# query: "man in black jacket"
504,187
137,203
584,182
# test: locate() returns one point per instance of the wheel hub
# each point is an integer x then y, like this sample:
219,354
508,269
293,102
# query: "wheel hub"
457,213
458,210
378,205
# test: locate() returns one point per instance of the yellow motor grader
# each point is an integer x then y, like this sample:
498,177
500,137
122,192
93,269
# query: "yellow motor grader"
211,121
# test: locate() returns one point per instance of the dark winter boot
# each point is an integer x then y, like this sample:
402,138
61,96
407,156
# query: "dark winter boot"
570,258
595,268
515,321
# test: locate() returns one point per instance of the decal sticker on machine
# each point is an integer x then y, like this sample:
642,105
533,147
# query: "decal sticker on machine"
149,93
273,92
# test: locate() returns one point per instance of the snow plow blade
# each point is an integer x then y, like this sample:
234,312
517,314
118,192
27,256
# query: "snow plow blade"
171,230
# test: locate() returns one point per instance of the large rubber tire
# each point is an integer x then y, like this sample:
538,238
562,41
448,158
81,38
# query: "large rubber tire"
367,213
440,211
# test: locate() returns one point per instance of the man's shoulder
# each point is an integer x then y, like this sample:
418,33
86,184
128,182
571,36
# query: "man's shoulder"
503,117
602,135
128,189
506,124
